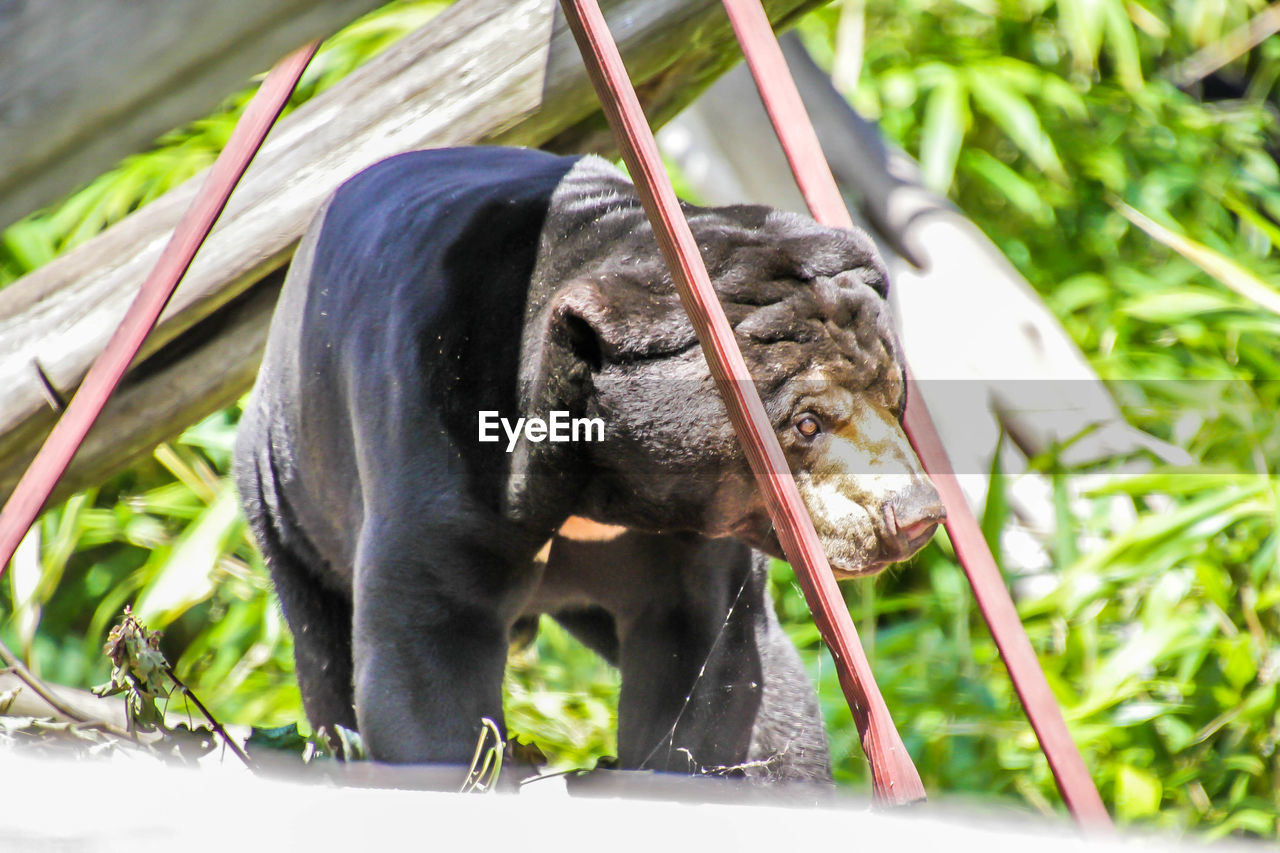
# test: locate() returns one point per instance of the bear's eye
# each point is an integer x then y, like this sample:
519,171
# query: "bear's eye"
808,426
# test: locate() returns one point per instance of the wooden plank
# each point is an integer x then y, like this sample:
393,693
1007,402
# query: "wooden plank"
84,83
89,706
484,71
200,372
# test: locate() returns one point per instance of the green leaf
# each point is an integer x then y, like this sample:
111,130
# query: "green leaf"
1122,45
1238,666
1251,765
1015,115
1260,703
1018,190
1240,207
1035,82
1121,669
280,739
1224,269
1176,733
184,578
30,243
1138,793
1177,305
1082,22
996,511
1133,713
1079,292
353,748
1065,552
942,133
1256,821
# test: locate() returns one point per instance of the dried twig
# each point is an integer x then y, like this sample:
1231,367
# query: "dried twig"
213,723
15,666
1230,47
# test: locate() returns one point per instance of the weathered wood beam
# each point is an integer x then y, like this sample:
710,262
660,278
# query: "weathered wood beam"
84,83
27,703
483,71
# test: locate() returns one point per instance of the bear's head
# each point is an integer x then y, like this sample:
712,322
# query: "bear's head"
807,305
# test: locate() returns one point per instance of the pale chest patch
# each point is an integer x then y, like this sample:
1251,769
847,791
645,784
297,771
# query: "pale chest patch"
578,529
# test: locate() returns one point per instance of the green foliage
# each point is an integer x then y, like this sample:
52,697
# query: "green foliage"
278,739
1147,219
1052,124
486,763
564,698
1154,643
160,535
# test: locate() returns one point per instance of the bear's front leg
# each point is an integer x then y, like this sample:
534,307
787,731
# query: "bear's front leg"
710,683
429,649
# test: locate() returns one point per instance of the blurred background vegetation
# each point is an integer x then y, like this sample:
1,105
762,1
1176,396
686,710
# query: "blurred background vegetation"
1133,184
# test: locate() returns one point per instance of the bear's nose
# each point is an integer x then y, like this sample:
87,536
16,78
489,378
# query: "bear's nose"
910,517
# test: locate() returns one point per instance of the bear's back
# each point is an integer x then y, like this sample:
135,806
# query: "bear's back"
401,317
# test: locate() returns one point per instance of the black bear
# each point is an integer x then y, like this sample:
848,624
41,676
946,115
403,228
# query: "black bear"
481,401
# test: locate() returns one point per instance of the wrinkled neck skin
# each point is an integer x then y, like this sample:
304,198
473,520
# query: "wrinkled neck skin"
596,232
593,207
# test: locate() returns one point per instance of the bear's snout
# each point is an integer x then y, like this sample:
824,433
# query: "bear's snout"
869,498
910,518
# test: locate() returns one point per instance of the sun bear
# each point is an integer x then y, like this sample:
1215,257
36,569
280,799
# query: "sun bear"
410,467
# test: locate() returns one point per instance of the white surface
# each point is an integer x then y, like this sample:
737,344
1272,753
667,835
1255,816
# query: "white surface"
139,805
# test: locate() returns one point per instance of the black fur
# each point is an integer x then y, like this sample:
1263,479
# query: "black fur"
442,283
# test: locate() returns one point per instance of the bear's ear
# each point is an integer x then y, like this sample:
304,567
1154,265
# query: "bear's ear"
617,318
578,323
578,334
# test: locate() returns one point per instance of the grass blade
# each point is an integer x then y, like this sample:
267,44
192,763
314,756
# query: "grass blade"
945,122
1226,271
